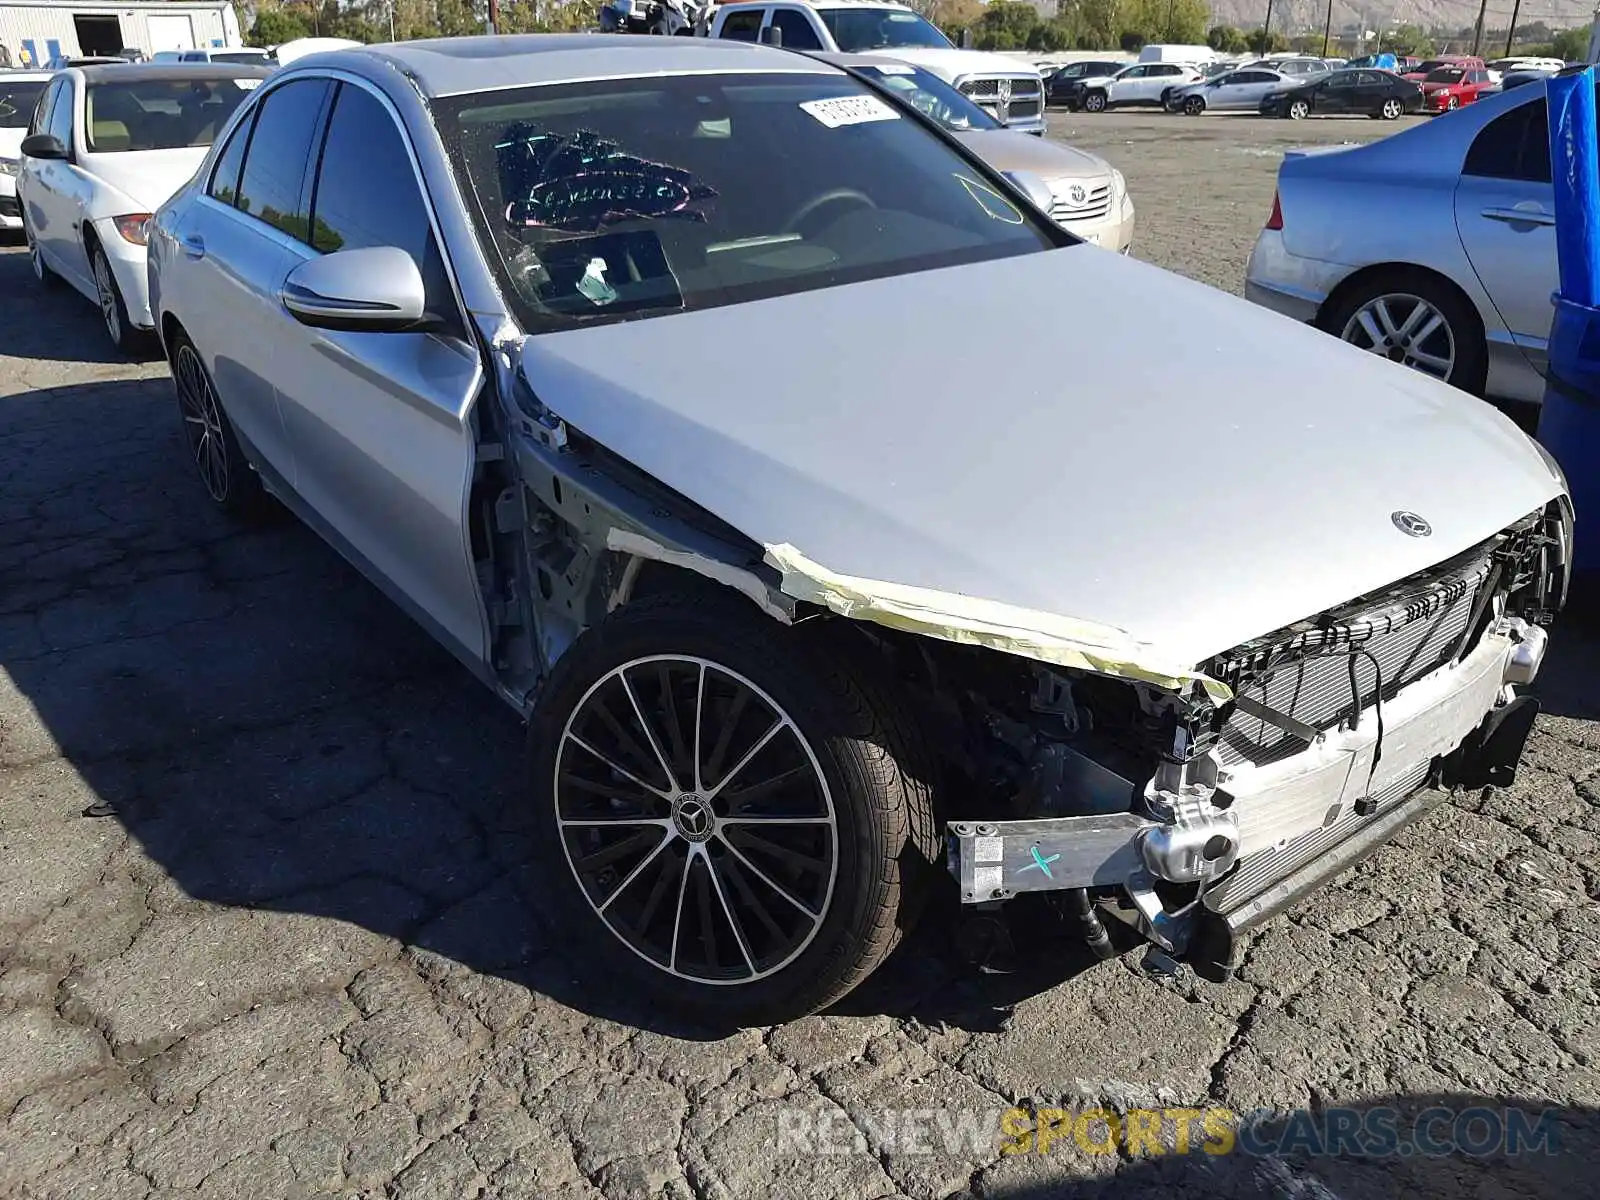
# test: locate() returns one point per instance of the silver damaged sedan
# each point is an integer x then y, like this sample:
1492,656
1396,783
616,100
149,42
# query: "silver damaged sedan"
707,403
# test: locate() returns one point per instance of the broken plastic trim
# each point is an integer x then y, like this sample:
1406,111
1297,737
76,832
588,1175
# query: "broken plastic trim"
745,582
967,620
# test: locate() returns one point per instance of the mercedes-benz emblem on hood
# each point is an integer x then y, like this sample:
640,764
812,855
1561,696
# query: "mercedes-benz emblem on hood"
1410,524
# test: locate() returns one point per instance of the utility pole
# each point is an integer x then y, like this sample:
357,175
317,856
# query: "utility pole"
1516,8
1171,5
494,15
1266,32
1477,30
1327,28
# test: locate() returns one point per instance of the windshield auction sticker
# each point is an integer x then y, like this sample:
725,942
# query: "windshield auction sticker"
850,110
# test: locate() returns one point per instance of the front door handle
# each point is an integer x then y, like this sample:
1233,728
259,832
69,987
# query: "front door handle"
1520,216
194,246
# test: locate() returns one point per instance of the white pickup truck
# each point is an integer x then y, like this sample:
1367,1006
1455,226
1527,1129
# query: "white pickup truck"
1011,91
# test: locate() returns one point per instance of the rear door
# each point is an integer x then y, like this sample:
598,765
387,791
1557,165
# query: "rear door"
381,423
1505,213
1372,88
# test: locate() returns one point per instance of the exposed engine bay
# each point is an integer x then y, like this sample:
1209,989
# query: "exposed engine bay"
1193,820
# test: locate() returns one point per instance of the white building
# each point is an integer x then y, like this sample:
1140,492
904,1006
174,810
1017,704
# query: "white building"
35,31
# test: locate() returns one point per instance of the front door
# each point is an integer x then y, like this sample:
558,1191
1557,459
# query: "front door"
381,423
1506,214
1337,95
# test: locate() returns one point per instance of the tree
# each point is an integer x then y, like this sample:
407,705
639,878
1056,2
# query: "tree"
1260,43
1571,45
1409,39
1225,39
1006,25
1131,41
274,26
1097,24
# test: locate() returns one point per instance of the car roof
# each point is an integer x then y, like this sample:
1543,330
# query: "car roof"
823,4
457,66
145,72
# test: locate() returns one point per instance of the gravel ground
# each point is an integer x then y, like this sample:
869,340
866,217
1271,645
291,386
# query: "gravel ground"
303,955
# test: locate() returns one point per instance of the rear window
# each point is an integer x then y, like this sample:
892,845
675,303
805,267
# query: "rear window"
18,100
621,199
159,114
1446,75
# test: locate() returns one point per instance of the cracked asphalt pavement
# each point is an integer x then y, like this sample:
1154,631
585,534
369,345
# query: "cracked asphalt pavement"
304,955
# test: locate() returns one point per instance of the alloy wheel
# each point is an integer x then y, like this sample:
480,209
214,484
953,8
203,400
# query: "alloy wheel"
1094,102
108,297
41,272
1194,106
202,422
696,819
1405,329
1453,103
1298,110
1391,110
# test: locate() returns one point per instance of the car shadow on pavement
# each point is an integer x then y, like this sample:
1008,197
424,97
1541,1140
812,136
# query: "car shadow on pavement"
277,737
1425,1145
62,325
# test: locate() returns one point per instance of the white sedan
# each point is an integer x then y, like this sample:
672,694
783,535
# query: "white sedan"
106,147
19,96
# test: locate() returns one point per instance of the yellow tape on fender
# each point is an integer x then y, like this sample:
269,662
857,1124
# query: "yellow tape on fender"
1045,637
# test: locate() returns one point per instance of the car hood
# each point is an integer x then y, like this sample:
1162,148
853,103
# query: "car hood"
949,430
950,65
1008,150
147,177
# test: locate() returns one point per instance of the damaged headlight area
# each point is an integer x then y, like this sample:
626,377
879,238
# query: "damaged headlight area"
1194,819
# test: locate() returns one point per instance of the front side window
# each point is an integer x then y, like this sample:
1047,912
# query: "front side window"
1342,81
616,199
857,29
272,185
934,97
796,29
225,176
40,123
742,26
61,112
18,100
159,114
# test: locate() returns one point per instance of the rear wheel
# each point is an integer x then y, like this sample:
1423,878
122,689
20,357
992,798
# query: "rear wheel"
209,437
1095,102
737,819
1194,105
1417,321
1298,110
1390,109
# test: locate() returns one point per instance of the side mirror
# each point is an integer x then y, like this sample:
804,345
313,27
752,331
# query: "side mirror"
376,290
1034,188
772,36
43,145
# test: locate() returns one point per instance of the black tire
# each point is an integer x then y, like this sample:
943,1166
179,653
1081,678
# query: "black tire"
1096,102
113,310
863,746
209,439
42,273
1470,370
1193,106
